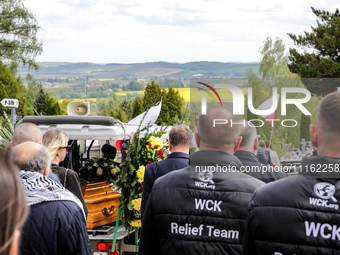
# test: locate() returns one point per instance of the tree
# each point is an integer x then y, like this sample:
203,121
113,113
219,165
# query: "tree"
120,115
46,105
171,106
18,34
127,107
152,94
274,59
137,108
49,110
304,127
274,73
173,83
9,87
117,109
321,53
57,109
134,86
41,102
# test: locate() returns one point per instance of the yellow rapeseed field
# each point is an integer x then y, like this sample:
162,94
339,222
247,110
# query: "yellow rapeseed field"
124,93
112,79
60,101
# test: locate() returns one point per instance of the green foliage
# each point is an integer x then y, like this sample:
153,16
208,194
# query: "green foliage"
41,101
132,173
152,94
185,119
120,115
6,130
127,107
133,86
137,108
171,106
29,97
171,83
18,30
113,108
45,105
9,86
324,60
273,76
274,59
53,107
304,127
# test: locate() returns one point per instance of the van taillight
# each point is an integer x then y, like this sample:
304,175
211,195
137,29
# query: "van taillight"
105,247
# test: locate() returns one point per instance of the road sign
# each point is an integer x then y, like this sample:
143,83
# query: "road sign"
8,102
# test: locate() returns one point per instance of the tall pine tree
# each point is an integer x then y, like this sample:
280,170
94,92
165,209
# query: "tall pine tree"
137,108
321,53
171,106
41,102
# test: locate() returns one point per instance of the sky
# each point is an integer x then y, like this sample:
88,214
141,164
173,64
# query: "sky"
134,31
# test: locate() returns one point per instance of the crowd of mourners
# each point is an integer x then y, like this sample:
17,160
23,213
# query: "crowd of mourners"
225,198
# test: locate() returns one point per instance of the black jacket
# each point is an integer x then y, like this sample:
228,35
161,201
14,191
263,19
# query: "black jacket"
72,182
193,213
174,161
298,214
249,160
55,228
261,156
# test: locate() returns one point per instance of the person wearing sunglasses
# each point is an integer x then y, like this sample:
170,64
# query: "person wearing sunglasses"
56,142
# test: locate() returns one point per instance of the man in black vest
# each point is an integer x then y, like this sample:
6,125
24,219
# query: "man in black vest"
300,214
201,209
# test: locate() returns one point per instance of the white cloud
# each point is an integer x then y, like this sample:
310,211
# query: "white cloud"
104,31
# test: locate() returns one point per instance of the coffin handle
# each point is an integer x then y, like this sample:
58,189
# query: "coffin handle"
109,212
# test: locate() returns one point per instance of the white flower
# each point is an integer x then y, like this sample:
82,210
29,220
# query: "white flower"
115,170
99,171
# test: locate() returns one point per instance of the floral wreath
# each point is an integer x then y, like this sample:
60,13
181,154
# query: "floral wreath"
154,147
100,169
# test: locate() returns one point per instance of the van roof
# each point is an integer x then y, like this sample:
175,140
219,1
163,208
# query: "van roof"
89,127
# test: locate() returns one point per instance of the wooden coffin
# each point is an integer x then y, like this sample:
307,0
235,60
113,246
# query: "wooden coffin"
102,203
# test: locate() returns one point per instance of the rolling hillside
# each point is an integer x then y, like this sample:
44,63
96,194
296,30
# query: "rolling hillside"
114,70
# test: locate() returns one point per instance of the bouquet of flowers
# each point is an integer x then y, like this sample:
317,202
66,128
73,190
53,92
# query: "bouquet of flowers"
141,152
100,169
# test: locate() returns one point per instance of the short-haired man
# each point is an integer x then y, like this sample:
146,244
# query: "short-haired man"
179,145
56,222
29,132
300,214
26,132
196,210
252,166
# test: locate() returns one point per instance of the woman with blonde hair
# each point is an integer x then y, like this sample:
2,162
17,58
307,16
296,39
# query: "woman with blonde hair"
13,206
56,142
